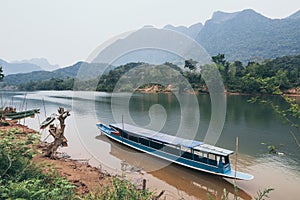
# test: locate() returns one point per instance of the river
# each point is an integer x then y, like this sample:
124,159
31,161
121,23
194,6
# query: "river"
256,126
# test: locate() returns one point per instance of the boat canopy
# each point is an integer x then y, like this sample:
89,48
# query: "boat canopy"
169,139
213,150
158,136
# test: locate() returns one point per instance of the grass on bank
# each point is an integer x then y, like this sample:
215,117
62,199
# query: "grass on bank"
20,178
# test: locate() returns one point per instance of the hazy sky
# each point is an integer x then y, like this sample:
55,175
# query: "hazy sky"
65,31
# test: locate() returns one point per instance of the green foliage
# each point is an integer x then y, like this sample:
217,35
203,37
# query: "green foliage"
267,77
262,78
194,78
108,81
262,195
37,188
123,189
131,76
273,149
120,189
52,84
289,114
80,70
15,153
190,64
20,178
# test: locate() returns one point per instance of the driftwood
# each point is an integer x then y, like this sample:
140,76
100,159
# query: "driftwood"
57,132
159,195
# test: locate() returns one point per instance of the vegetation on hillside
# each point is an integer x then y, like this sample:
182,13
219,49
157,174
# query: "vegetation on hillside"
129,77
267,77
52,84
108,81
80,70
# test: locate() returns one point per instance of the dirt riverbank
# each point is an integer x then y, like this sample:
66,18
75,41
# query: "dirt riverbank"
82,175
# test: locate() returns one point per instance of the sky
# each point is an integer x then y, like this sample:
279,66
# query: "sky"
66,31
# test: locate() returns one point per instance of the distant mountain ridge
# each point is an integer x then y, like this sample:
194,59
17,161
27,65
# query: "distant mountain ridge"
191,31
15,68
219,16
247,34
80,70
27,66
244,35
296,15
42,62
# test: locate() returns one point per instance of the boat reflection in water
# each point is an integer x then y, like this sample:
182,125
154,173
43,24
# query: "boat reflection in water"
176,180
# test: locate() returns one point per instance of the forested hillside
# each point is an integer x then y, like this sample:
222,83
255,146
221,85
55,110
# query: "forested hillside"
80,70
268,77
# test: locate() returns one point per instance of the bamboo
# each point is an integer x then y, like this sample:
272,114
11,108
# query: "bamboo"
44,108
122,123
236,162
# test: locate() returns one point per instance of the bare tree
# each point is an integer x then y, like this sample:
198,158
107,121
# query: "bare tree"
57,133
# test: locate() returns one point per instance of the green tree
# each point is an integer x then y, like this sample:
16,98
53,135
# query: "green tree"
222,65
190,64
219,59
239,68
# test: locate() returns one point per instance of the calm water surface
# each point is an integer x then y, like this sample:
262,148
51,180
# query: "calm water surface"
254,124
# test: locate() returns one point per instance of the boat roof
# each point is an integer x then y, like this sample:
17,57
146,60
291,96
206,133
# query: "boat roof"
169,139
162,137
207,148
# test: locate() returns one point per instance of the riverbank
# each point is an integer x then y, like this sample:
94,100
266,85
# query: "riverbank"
157,89
85,179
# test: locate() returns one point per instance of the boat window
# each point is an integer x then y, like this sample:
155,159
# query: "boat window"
144,141
197,153
156,145
172,149
124,135
187,155
185,149
132,138
226,159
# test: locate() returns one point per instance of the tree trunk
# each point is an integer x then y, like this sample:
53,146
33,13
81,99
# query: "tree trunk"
58,134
